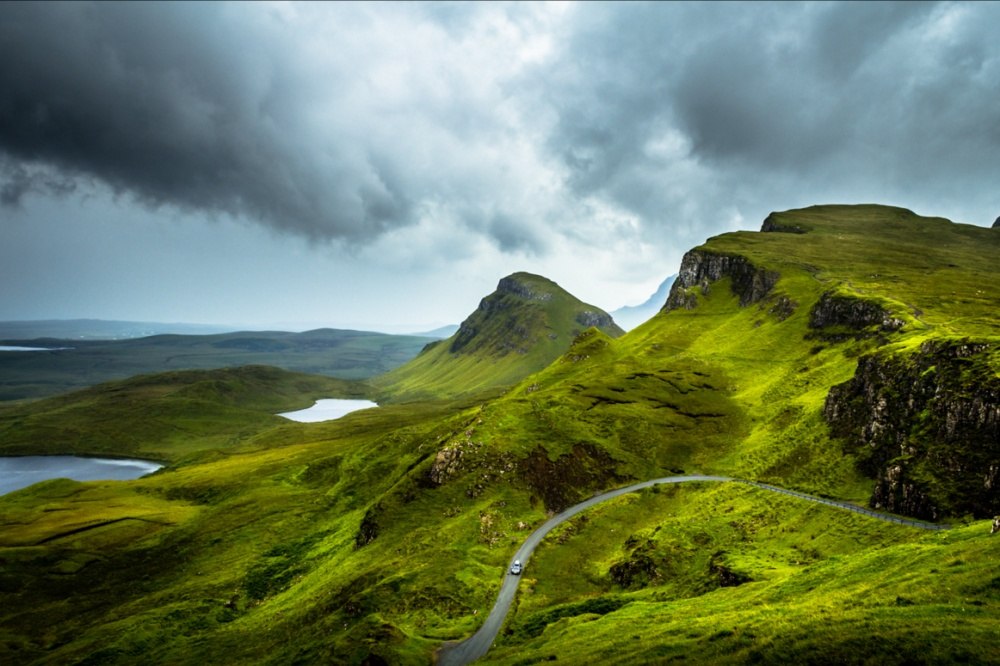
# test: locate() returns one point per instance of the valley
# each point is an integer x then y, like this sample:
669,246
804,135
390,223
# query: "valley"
849,353
79,363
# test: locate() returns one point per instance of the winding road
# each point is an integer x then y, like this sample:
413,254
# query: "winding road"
474,647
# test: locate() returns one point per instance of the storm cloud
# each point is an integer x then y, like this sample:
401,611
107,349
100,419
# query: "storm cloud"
435,132
666,106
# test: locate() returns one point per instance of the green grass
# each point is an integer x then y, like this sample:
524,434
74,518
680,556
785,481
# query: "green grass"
818,586
350,355
519,329
387,532
164,417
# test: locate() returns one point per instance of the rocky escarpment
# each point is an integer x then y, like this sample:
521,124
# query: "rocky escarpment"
926,427
513,284
558,483
590,318
700,268
856,314
519,314
771,224
501,305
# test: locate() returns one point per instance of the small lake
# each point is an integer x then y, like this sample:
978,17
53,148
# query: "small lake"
18,472
4,348
328,410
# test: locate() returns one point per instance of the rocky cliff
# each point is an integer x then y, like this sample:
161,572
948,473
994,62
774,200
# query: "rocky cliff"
926,427
509,320
773,224
699,268
851,312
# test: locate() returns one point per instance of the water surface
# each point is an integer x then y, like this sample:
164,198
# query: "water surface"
328,410
18,472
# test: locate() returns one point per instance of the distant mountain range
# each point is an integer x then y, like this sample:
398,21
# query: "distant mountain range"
99,329
440,332
630,316
75,363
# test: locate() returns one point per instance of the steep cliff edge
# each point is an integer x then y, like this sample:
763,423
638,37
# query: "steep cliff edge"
699,268
926,427
524,325
517,316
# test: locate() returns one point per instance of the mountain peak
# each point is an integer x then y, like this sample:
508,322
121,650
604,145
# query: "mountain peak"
528,286
525,324
524,311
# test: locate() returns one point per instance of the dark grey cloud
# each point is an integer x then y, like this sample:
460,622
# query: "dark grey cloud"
531,127
514,235
203,106
765,101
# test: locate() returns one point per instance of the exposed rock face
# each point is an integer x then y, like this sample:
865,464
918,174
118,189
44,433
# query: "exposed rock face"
996,223
725,576
446,464
561,483
927,427
511,285
512,319
498,305
638,571
854,313
701,268
590,318
771,224
369,528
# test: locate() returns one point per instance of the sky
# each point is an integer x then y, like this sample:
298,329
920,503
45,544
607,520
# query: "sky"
382,165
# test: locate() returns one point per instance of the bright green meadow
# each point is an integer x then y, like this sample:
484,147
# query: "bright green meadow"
377,537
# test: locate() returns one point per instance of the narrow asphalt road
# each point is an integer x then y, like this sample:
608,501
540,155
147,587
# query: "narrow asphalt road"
474,647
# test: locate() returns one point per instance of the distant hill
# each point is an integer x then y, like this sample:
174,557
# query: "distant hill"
630,316
524,325
213,403
99,329
441,332
334,353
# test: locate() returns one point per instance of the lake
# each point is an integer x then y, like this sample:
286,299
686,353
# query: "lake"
328,410
31,349
22,471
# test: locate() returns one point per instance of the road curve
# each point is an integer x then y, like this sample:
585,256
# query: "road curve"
474,647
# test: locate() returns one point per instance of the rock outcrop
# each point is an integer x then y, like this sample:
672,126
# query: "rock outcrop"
590,318
926,427
771,224
851,312
512,318
699,268
512,284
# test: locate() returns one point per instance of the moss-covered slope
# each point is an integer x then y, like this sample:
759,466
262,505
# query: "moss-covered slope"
376,538
165,416
518,329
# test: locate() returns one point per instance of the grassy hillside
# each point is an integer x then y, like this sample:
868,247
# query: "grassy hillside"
166,416
342,354
523,326
377,537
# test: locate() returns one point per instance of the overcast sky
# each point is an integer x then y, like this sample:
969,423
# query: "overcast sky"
384,165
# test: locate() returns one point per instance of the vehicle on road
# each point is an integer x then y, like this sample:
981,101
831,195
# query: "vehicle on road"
516,567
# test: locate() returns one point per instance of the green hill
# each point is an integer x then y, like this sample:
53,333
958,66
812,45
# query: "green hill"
845,351
520,328
164,416
74,364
